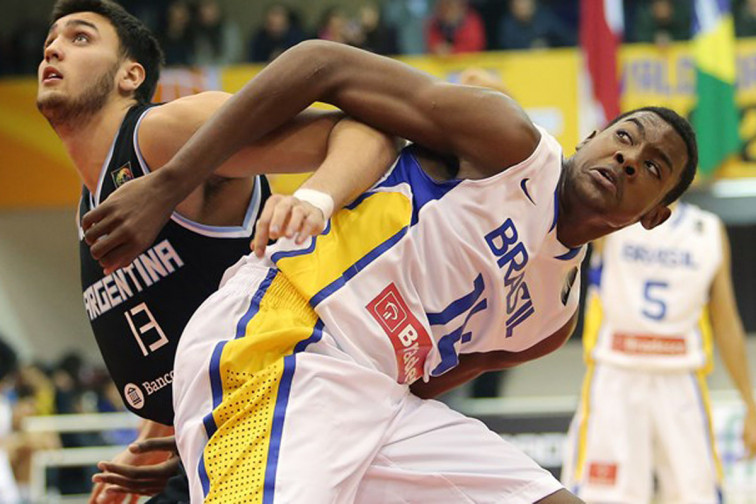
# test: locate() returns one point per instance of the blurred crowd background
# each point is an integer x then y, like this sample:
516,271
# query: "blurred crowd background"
205,32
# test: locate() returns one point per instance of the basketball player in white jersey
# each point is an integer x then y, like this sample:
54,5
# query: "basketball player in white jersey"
293,380
99,70
658,302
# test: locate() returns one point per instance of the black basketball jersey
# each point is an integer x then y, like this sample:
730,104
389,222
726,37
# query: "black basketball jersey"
139,312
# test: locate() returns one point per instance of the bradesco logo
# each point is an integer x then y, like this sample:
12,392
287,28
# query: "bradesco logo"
408,336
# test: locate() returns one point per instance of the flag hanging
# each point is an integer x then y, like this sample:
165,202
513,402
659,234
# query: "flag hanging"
715,118
601,27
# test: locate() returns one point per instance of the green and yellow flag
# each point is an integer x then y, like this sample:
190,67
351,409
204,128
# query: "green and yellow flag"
716,117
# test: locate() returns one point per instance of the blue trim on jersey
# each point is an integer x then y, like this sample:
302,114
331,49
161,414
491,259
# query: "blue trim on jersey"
277,256
317,333
216,388
204,479
279,415
424,188
556,210
569,254
357,267
459,306
254,304
362,197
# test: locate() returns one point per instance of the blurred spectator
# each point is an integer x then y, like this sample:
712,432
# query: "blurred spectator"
25,48
529,25
334,26
408,16
662,23
745,21
217,40
9,493
373,34
455,28
176,37
148,11
280,31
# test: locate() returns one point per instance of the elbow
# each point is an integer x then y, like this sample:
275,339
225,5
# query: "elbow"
319,57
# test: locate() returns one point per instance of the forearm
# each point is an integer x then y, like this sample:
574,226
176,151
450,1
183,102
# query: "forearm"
264,104
149,429
357,157
732,350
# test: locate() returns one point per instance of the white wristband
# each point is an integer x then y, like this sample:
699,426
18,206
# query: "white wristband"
318,199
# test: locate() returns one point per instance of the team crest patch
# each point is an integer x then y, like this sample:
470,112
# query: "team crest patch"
408,336
122,175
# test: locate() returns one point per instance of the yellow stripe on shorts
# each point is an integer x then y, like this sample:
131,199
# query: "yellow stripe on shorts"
251,377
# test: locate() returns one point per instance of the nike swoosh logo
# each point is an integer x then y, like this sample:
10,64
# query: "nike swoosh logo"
525,189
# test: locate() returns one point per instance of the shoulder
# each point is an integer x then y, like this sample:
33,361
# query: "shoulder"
165,128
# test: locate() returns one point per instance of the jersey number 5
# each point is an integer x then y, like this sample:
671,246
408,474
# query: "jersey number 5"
654,307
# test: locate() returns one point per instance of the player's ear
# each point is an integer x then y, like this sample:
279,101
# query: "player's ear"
131,77
586,140
655,216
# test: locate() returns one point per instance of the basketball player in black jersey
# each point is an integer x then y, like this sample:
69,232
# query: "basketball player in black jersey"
98,73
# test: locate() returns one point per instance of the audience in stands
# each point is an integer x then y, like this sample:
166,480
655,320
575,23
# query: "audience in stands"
664,21
280,30
530,25
455,27
217,40
745,19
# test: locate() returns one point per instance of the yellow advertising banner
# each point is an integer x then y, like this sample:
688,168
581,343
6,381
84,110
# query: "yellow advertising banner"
35,171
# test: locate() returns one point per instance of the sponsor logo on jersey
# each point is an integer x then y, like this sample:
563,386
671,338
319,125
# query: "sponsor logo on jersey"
158,383
512,257
149,268
408,336
122,174
134,396
524,187
602,473
646,344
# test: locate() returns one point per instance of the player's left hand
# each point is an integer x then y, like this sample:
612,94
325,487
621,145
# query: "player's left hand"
286,216
749,432
134,477
128,221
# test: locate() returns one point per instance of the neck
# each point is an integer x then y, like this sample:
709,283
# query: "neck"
575,226
88,141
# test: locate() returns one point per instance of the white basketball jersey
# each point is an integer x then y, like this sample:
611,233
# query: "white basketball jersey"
651,293
417,271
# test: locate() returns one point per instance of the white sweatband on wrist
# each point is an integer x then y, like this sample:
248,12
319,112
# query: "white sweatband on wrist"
318,199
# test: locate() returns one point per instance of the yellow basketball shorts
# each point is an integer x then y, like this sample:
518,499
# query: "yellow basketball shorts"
270,410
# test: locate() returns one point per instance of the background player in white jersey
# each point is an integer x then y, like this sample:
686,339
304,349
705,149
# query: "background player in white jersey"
99,70
648,346
292,381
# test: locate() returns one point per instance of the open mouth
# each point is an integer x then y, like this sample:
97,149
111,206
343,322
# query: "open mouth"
606,178
51,74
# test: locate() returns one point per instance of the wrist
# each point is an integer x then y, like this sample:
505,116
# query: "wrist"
319,199
171,186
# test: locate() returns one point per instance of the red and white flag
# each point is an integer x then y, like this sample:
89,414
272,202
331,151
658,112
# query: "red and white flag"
601,28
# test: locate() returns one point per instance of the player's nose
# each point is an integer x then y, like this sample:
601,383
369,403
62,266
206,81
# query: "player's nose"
53,52
626,163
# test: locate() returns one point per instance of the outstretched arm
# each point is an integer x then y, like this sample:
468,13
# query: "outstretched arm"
730,338
351,157
482,127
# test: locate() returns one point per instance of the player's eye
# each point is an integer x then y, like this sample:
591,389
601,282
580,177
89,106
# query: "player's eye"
654,168
81,37
624,136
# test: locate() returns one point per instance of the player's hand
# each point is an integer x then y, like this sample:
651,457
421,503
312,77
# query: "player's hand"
128,221
749,432
286,216
142,469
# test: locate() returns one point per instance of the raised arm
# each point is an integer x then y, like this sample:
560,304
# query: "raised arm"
483,127
730,338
